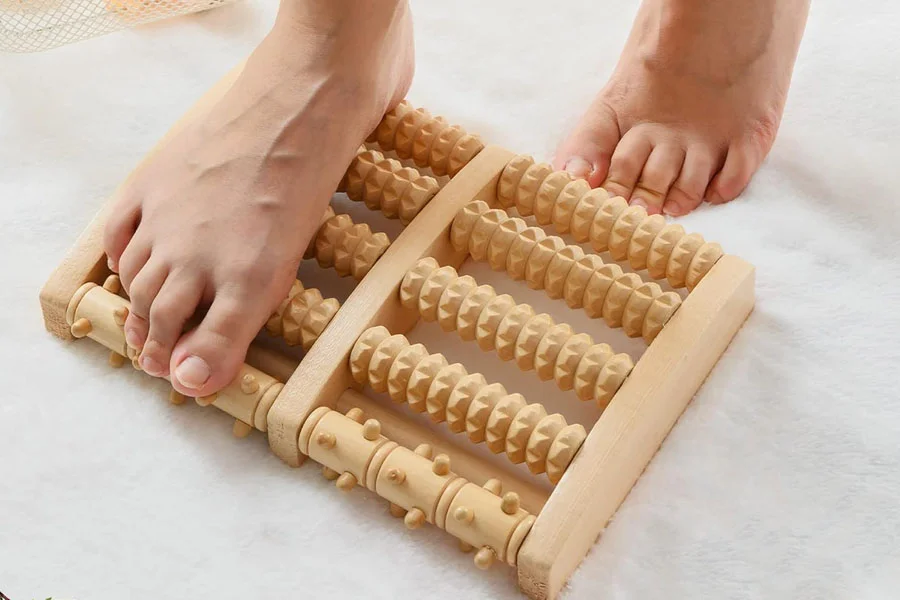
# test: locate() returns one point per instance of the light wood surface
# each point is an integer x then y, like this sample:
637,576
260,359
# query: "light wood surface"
553,350
546,443
610,224
427,488
324,372
384,184
350,248
628,433
429,141
563,270
470,465
302,316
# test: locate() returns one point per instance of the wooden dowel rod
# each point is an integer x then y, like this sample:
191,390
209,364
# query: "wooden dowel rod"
471,466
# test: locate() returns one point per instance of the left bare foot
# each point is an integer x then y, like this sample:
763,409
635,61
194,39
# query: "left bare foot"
220,217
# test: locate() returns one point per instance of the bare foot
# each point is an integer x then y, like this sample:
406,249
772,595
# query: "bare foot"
222,215
694,104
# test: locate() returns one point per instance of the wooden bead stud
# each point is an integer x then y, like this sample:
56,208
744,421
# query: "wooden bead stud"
424,450
493,486
176,397
355,414
330,474
464,514
112,284
241,429
81,328
414,518
371,430
441,464
120,315
510,503
396,476
249,385
326,440
346,482
205,400
116,360
397,511
484,558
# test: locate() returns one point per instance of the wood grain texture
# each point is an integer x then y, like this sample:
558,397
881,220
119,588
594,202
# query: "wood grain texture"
325,372
483,411
630,431
469,465
86,260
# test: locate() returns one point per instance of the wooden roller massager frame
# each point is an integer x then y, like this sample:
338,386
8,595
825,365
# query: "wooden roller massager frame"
315,410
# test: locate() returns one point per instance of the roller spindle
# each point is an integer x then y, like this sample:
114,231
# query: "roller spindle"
536,342
627,232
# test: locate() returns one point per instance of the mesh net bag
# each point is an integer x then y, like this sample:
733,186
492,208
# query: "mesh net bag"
33,25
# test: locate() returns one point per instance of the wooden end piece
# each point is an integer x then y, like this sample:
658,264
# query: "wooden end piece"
633,426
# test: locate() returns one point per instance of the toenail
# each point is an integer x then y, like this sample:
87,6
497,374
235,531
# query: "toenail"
714,198
193,372
638,202
151,365
578,167
109,263
673,209
133,338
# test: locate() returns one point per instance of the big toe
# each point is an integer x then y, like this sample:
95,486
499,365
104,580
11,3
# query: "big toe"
175,303
587,151
207,358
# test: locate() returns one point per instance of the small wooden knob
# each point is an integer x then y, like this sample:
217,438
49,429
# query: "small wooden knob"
206,400
355,414
510,503
371,430
135,364
241,429
484,558
346,482
249,385
176,397
396,476
441,464
119,315
465,546
81,327
414,518
330,474
493,486
424,450
116,360
397,511
464,514
326,440
112,284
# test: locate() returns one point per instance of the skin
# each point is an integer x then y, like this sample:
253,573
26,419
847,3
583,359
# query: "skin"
221,216
214,228
694,104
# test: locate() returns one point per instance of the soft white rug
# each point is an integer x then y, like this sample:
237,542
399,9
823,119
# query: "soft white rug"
780,481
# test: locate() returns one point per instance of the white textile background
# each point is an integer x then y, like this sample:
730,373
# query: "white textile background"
780,481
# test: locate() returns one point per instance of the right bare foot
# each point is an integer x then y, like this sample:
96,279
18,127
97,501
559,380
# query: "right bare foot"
221,216
694,103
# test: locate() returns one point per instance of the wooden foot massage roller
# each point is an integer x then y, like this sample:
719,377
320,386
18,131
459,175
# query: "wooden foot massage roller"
482,211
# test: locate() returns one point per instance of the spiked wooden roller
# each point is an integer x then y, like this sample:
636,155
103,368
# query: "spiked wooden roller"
681,294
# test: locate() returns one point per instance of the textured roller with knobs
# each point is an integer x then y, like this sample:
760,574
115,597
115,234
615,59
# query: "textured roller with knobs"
458,198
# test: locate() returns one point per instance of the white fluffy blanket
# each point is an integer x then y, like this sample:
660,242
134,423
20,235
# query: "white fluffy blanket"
780,481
